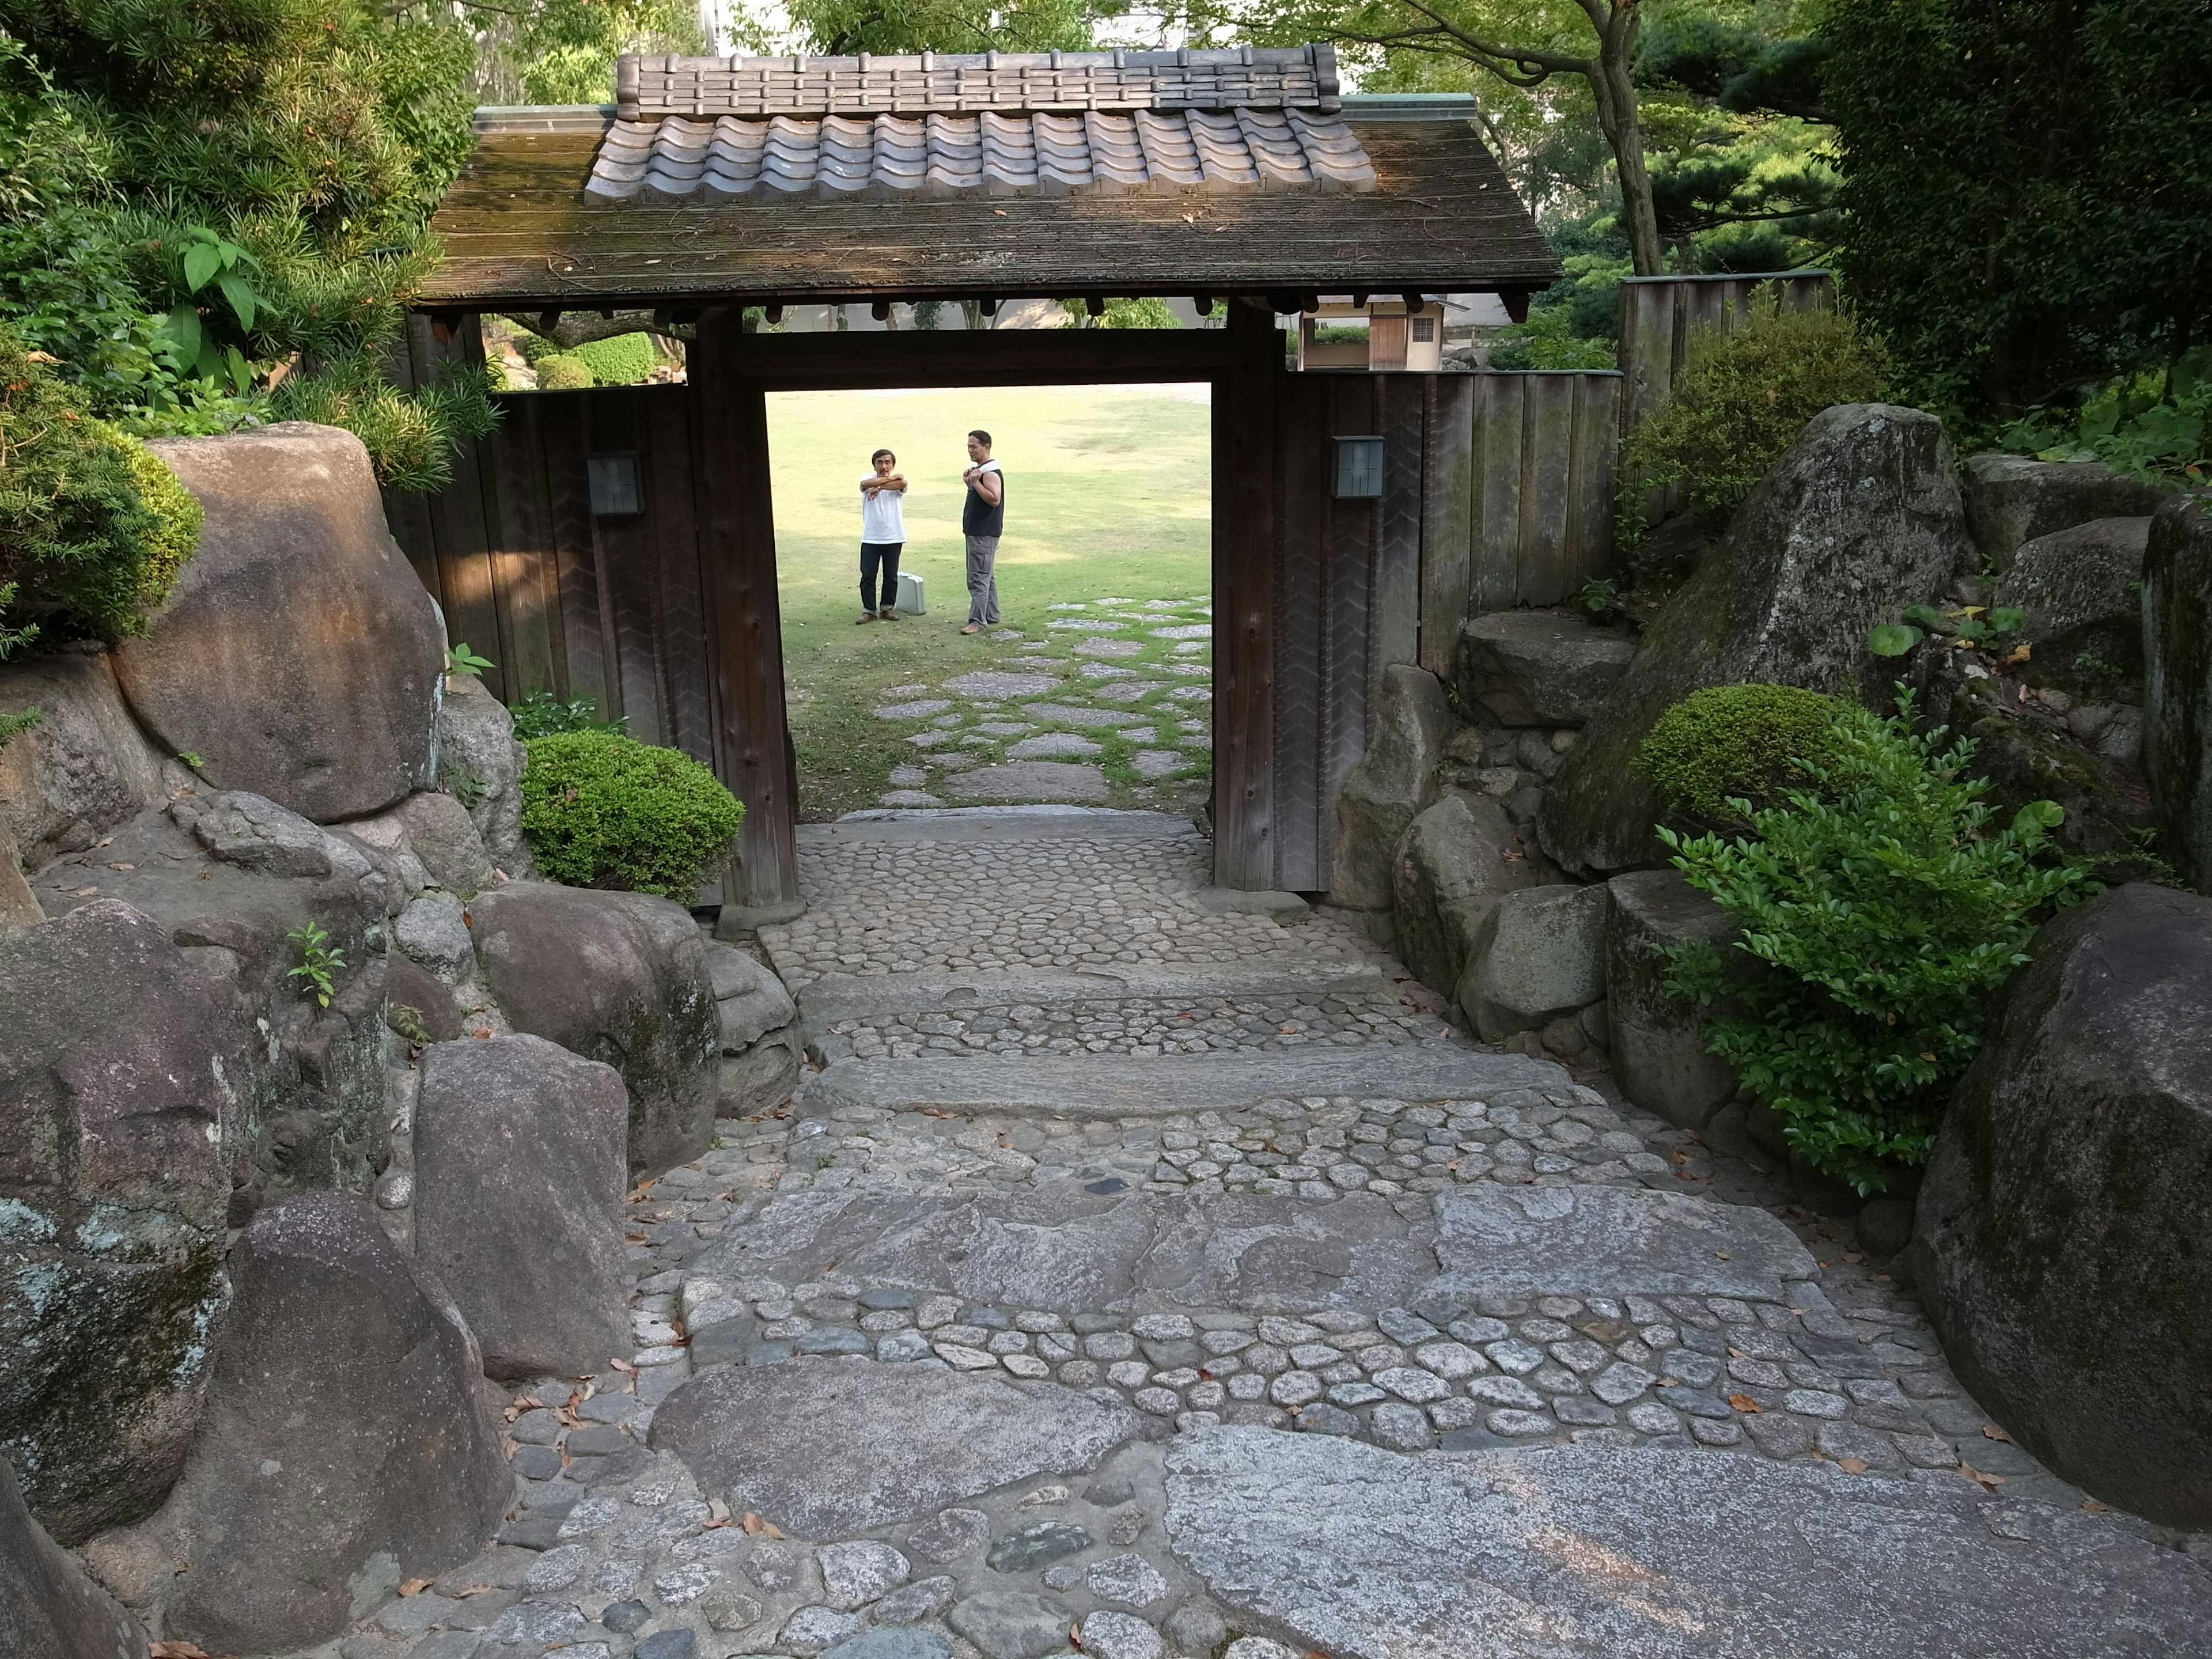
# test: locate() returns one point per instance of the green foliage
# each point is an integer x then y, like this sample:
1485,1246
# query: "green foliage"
1574,324
1880,908
1728,752
564,371
459,659
93,528
621,359
1973,626
1742,399
407,1020
563,52
844,28
602,810
13,640
199,201
2027,213
317,962
540,715
2152,425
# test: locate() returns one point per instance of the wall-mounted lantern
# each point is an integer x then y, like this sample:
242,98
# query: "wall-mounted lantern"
613,480
1358,468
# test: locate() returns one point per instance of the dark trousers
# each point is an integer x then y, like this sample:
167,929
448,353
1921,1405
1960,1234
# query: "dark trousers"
875,555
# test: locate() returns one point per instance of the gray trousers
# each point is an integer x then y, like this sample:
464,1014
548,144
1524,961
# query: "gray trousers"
982,579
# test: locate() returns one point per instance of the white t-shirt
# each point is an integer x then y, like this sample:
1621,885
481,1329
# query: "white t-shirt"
882,515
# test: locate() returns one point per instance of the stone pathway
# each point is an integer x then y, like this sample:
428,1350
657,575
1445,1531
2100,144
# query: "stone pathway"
1108,700
1190,1289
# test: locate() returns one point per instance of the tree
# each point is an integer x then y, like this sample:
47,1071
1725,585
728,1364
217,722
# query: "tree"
2024,182
847,27
563,52
1524,43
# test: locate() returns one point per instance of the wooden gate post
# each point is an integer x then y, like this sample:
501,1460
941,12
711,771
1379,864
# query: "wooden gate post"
736,520
1245,557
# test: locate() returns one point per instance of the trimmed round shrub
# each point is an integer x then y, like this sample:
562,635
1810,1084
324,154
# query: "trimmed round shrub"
624,360
93,527
601,810
1739,742
564,372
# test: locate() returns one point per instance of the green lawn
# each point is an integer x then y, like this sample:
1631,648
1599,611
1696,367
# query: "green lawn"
1107,497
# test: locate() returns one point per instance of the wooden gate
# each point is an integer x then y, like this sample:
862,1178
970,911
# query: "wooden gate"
1496,492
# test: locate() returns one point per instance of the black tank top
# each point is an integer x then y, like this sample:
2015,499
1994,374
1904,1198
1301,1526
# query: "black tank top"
981,518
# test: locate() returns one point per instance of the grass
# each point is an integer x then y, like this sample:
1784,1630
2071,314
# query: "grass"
1107,495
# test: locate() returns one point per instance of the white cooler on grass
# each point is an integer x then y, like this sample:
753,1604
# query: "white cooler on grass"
909,595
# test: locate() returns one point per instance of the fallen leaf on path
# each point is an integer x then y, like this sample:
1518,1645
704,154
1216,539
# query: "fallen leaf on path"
621,1364
1852,1465
2095,1508
752,1523
1744,1402
1980,1477
176,1649
415,1587
1992,1431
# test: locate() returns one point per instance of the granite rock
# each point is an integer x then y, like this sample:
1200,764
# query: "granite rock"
1395,779
1456,861
1541,954
48,1608
1539,667
2177,746
2012,500
83,769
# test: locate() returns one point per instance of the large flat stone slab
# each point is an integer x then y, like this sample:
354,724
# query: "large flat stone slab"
827,1448
1030,780
1033,822
1610,1242
1587,1551
1131,1085
837,997
1075,1252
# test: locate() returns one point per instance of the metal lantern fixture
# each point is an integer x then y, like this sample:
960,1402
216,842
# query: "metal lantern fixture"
613,480
1358,468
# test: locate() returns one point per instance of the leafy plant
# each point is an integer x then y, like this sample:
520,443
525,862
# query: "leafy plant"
407,1019
13,640
564,371
93,528
1740,400
1730,743
1975,627
540,715
1597,595
464,786
602,810
619,359
459,659
2151,424
1880,906
191,758
317,962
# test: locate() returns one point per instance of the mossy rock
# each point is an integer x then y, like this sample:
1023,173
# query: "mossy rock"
1728,743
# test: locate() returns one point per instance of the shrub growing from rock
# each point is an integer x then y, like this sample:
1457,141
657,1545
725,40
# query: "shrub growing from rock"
1739,743
1885,906
1742,399
93,528
601,810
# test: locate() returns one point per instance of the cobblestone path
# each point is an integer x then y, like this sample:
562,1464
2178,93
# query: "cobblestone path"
1134,1280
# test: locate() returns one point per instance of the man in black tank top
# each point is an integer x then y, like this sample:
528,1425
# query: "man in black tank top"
981,520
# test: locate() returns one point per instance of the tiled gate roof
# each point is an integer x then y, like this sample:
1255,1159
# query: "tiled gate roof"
1044,124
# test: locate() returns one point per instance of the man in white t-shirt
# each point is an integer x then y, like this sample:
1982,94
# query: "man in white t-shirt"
883,534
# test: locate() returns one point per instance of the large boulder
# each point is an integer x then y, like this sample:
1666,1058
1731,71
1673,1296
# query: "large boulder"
1541,954
1456,860
444,838
232,879
48,1608
519,1178
2177,749
1396,778
2082,589
481,763
299,656
118,1068
1858,519
760,1037
19,906
83,769
2060,1242
617,978
1658,1039
1539,667
2011,499
343,1448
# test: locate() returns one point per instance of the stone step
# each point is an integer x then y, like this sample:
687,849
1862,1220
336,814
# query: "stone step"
993,823
836,998
1129,1086
1073,1250
1660,1553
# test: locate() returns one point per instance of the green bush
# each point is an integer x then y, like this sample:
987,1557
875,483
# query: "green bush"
564,372
93,528
1735,744
1742,399
601,810
622,361
1882,910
